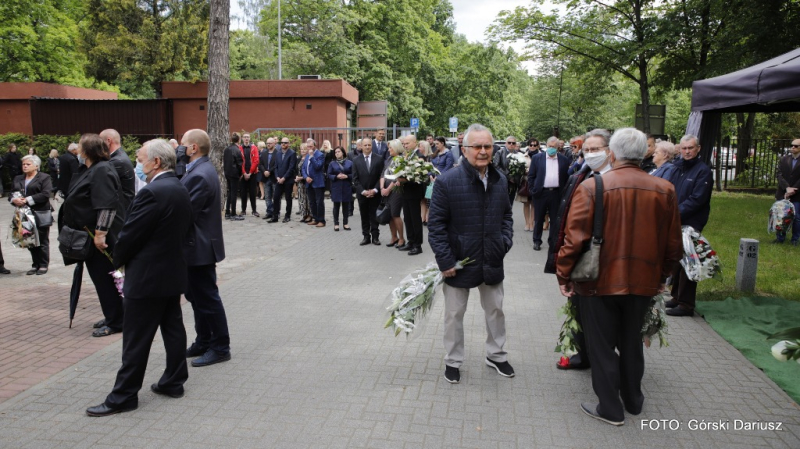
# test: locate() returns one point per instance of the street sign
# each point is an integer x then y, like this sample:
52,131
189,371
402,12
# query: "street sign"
414,122
453,124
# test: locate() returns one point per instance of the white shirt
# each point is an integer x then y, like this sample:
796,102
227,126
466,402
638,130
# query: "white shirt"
551,172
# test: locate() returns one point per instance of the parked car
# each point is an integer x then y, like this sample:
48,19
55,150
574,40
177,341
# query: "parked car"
727,158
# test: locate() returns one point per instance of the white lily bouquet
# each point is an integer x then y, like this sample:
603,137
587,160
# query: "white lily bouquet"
413,298
516,165
413,169
699,260
787,349
655,320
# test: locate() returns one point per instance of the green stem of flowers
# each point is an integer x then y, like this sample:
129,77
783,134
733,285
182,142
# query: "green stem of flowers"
105,253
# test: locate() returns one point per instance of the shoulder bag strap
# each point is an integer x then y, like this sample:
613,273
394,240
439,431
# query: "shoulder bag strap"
597,231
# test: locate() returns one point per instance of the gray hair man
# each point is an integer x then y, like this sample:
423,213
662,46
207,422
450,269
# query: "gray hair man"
788,186
693,184
635,261
470,217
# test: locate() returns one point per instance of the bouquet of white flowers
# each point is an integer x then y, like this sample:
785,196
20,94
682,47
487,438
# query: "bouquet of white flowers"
413,298
787,349
24,233
413,169
699,260
516,165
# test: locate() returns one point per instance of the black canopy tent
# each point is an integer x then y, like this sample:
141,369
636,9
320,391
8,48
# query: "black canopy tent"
771,86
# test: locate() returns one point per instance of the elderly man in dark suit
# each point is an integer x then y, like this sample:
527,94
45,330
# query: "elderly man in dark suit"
546,177
788,186
68,166
285,169
367,171
151,248
204,252
470,217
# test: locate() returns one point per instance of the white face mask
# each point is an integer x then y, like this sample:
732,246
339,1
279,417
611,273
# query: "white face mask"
596,160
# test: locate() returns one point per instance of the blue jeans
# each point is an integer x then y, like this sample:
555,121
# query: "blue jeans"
269,191
795,226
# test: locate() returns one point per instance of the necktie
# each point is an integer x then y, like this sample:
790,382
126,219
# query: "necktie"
368,163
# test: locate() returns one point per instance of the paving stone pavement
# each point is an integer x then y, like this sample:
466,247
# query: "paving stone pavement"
313,367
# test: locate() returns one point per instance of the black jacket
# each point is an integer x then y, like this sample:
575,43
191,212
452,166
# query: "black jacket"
538,172
466,220
232,161
285,165
13,163
366,179
788,177
122,164
68,166
206,246
93,188
38,189
265,164
151,244
693,184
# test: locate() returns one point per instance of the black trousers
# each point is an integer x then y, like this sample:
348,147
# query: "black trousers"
368,208
582,357
210,321
2,261
142,319
316,201
284,189
615,322
232,194
40,255
345,208
247,188
546,202
412,212
99,268
683,290
512,193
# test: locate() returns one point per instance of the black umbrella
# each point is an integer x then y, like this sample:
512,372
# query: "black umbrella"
75,291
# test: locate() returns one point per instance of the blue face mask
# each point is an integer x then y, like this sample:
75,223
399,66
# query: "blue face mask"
139,173
551,151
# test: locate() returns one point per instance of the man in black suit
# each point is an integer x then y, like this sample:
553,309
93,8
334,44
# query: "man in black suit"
68,166
789,189
367,170
285,168
232,168
413,194
150,247
122,163
379,145
204,252
546,177
266,166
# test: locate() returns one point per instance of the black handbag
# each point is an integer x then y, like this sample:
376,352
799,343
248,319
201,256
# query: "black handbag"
384,214
74,244
43,218
588,266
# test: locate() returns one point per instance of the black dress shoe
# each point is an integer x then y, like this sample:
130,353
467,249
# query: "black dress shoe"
195,350
237,218
157,390
211,357
3,270
591,410
537,246
31,271
99,324
391,244
104,410
671,304
267,217
227,216
366,241
406,247
274,220
375,241
41,271
287,220
415,250
680,311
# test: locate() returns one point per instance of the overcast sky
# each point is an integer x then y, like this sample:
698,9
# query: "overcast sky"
472,17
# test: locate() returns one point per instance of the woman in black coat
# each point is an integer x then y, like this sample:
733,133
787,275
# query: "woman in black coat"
35,188
53,167
93,202
340,175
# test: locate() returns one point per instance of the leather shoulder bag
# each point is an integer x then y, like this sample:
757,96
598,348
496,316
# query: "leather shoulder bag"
588,266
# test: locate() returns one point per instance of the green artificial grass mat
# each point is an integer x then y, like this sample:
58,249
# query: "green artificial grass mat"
747,322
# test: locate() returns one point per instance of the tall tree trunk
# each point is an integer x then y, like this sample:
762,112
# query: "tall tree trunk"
218,83
644,91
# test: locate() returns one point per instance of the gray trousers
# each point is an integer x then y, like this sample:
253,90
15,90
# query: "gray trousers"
455,305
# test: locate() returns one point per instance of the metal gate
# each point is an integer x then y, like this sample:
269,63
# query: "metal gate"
344,137
757,171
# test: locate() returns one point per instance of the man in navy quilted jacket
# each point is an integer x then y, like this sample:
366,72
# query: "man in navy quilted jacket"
470,217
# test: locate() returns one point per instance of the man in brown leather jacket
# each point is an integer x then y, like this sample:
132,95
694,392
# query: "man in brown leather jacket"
641,247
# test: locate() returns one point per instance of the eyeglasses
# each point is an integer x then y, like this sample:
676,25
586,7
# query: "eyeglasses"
593,150
285,142
486,147
511,143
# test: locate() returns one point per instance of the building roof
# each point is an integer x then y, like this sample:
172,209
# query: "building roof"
334,88
25,91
